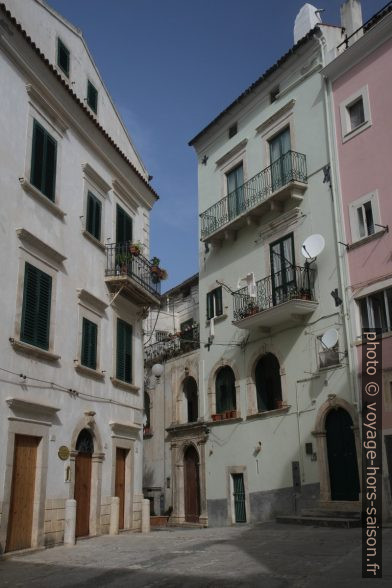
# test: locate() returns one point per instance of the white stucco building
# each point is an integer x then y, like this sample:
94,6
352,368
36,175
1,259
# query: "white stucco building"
74,195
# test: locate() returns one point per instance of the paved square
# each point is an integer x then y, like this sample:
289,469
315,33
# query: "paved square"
267,555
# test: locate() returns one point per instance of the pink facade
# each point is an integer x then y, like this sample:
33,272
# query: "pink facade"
364,152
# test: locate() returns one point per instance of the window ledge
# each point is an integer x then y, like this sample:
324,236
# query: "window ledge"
86,371
269,413
354,132
217,319
331,367
93,240
367,239
224,422
124,385
32,350
41,198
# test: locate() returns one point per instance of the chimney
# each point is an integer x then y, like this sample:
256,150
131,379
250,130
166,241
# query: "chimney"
351,19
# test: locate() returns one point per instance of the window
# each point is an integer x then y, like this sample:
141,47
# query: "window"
214,303
190,393
225,390
233,130
147,414
283,269
376,310
356,113
36,307
89,344
364,217
124,351
281,160
123,226
274,94
186,329
63,57
235,191
94,212
268,384
43,161
329,357
92,96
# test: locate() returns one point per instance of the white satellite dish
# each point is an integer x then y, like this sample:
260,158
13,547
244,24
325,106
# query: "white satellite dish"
330,338
313,246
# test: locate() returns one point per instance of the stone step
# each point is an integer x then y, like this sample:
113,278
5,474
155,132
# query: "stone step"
347,522
335,514
186,525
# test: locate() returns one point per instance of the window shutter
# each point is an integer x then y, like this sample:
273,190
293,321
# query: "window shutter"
94,208
124,351
92,96
123,226
210,305
43,161
218,302
37,155
89,344
36,307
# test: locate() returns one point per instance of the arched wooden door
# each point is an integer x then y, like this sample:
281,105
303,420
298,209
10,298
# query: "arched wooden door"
342,456
192,485
83,462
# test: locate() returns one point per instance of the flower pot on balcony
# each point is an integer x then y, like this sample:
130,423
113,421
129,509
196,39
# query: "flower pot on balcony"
233,414
280,404
135,250
216,417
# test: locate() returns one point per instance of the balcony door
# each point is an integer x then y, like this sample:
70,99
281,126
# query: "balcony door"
283,279
123,226
235,191
280,158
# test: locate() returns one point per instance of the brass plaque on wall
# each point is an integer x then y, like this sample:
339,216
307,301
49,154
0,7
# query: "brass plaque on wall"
63,452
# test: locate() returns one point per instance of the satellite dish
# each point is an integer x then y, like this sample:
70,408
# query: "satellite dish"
330,338
313,246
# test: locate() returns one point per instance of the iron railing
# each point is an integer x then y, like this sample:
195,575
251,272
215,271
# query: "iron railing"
292,283
121,262
173,346
288,168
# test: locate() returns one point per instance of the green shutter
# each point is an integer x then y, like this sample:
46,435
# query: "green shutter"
92,96
36,307
124,351
63,57
89,344
94,208
123,226
218,301
43,161
210,305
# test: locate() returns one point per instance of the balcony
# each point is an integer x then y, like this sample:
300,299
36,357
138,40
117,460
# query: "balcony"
269,190
174,346
131,274
284,298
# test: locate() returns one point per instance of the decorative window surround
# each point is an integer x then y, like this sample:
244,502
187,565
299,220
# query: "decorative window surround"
269,413
347,132
127,196
41,198
24,409
96,178
92,302
276,116
86,371
371,198
227,156
32,350
42,101
124,430
124,385
45,250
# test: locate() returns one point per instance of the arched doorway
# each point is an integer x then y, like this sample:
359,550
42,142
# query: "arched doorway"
192,485
190,393
83,463
225,390
268,383
342,456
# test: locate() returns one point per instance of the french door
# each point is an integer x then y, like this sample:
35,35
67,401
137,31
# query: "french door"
283,278
235,191
280,158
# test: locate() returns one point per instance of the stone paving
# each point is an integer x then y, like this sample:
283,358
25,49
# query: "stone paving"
267,555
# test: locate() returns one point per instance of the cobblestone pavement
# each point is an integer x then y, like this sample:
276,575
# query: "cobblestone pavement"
267,555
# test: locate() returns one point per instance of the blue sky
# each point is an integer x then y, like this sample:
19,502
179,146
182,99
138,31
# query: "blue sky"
171,66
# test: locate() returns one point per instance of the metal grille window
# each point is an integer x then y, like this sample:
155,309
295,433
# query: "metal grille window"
214,303
63,57
161,336
43,161
36,307
376,310
124,351
92,96
89,344
94,213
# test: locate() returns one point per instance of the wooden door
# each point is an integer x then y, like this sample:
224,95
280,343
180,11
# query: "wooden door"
239,498
342,456
20,522
192,486
82,493
121,455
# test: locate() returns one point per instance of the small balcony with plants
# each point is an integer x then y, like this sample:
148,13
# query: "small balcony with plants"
132,274
283,298
173,345
269,191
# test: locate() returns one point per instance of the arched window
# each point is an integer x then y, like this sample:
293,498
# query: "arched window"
147,424
268,384
85,443
190,393
225,390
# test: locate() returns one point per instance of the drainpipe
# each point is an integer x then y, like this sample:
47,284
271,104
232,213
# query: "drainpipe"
339,223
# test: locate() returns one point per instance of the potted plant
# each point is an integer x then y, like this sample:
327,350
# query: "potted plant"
157,273
216,417
136,248
122,262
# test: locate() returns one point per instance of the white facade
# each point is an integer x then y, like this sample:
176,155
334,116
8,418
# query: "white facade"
47,393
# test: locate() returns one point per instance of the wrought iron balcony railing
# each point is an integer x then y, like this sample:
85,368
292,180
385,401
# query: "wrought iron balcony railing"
121,262
295,283
288,168
173,346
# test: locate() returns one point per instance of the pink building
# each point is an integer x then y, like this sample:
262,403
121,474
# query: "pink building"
360,83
